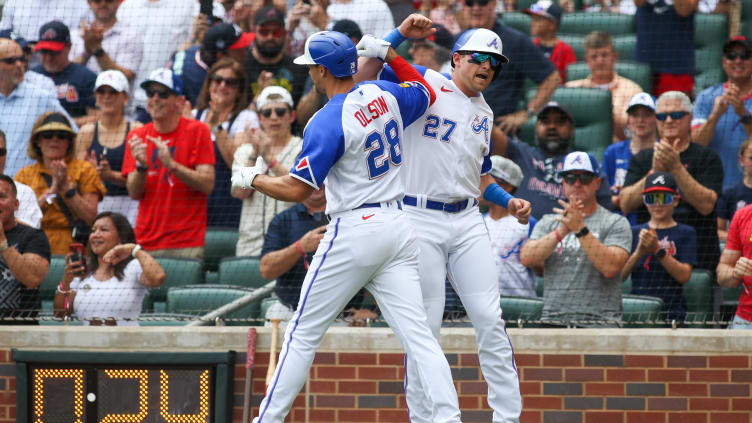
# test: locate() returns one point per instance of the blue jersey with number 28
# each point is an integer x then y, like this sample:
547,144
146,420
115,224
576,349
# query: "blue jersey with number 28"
354,143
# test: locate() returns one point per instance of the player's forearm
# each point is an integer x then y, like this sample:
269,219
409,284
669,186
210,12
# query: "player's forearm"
277,263
284,188
630,197
368,69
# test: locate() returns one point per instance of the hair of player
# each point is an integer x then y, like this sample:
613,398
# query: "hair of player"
597,39
125,236
241,101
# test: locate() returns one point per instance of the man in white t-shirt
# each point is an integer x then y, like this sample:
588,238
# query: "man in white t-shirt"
507,234
28,211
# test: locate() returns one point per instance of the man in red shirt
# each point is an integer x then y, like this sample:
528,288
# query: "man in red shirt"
169,166
735,265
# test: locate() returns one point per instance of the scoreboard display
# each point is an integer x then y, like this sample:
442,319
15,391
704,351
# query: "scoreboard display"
107,387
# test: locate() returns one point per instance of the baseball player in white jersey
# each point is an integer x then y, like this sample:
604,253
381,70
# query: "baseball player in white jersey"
355,144
447,160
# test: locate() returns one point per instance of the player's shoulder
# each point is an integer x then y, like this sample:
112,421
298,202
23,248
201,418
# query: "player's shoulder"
327,118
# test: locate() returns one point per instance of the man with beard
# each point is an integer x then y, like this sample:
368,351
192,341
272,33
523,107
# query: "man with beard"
541,184
268,64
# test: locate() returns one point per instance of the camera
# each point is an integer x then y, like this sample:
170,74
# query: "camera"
79,256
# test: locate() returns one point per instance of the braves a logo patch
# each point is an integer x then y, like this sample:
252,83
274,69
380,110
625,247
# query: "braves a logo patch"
480,124
302,164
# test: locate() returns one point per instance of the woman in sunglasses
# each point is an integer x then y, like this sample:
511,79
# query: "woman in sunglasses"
278,149
102,143
67,189
222,105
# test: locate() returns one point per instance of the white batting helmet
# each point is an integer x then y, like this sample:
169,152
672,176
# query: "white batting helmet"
481,40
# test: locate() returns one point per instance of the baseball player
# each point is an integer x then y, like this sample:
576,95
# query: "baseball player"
355,143
447,160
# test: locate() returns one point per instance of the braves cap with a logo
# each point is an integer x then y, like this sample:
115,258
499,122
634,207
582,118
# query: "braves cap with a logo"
113,79
224,36
740,41
53,36
580,160
554,105
269,14
660,181
546,9
641,99
165,77
506,170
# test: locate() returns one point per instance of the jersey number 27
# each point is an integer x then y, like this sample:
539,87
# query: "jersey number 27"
379,154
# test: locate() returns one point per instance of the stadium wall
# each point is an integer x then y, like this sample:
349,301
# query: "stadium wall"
577,375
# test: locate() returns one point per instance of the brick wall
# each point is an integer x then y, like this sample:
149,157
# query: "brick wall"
631,376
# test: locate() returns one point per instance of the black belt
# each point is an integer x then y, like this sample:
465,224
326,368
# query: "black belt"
438,205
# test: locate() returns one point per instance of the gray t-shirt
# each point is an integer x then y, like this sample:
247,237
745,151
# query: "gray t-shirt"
573,288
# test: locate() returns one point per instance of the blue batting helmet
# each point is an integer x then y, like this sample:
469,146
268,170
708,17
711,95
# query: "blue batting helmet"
333,50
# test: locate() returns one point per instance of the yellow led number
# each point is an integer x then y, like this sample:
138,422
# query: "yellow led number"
164,401
143,395
78,390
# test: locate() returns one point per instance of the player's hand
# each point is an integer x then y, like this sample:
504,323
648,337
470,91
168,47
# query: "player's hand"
370,46
416,26
742,268
163,151
138,149
648,242
520,209
243,177
310,241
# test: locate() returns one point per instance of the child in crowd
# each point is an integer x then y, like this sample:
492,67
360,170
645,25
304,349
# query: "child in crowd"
545,17
738,196
663,251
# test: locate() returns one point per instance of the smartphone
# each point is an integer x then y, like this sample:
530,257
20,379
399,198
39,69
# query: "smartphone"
206,8
79,255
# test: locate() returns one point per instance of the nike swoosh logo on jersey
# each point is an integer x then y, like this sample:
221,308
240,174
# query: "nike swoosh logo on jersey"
369,216
444,89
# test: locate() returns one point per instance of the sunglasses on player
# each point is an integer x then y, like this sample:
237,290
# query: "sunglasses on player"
658,198
478,58
163,94
674,115
267,113
585,178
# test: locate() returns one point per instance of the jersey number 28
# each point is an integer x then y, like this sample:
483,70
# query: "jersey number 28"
380,155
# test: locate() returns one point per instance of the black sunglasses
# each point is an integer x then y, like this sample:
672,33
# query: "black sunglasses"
280,111
585,178
481,3
733,55
3,151
230,82
674,115
13,60
163,94
48,135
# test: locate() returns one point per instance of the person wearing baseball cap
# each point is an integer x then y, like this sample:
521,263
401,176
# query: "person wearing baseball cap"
722,115
74,82
507,235
32,77
641,124
663,251
581,249
545,17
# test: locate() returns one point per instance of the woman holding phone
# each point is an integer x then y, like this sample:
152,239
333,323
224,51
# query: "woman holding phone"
107,285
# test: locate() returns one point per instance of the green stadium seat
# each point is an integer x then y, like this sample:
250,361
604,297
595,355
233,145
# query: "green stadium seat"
241,271
219,243
525,308
643,309
518,21
698,293
198,300
746,21
637,72
626,286
49,284
180,272
729,301
539,287
577,42
706,76
591,110
584,23
711,31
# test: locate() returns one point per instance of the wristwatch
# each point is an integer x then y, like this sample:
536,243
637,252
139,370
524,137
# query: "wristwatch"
584,231
746,119
661,253
98,52
141,169
70,193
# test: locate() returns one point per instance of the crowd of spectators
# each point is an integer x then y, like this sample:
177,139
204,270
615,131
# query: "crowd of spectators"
142,108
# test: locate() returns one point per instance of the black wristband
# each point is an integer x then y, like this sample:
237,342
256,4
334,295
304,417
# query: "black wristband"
584,231
661,253
98,52
70,193
141,169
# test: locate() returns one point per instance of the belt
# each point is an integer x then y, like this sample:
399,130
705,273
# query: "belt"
438,205
385,204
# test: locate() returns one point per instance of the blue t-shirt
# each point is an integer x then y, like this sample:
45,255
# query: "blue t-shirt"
733,199
525,61
75,88
192,73
615,165
665,40
728,135
649,277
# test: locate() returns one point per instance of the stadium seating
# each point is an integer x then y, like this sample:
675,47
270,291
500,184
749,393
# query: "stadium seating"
179,272
746,21
241,271
584,23
219,243
525,308
50,283
711,31
637,72
518,21
643,309
198,300
698,292
591,110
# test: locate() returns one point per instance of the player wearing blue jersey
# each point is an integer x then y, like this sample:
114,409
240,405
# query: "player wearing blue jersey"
447,160
355,144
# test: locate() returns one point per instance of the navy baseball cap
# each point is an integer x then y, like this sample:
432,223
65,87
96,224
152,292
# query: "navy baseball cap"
660,182
224,36
53,36
269,14
740,41
554,105
546,9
